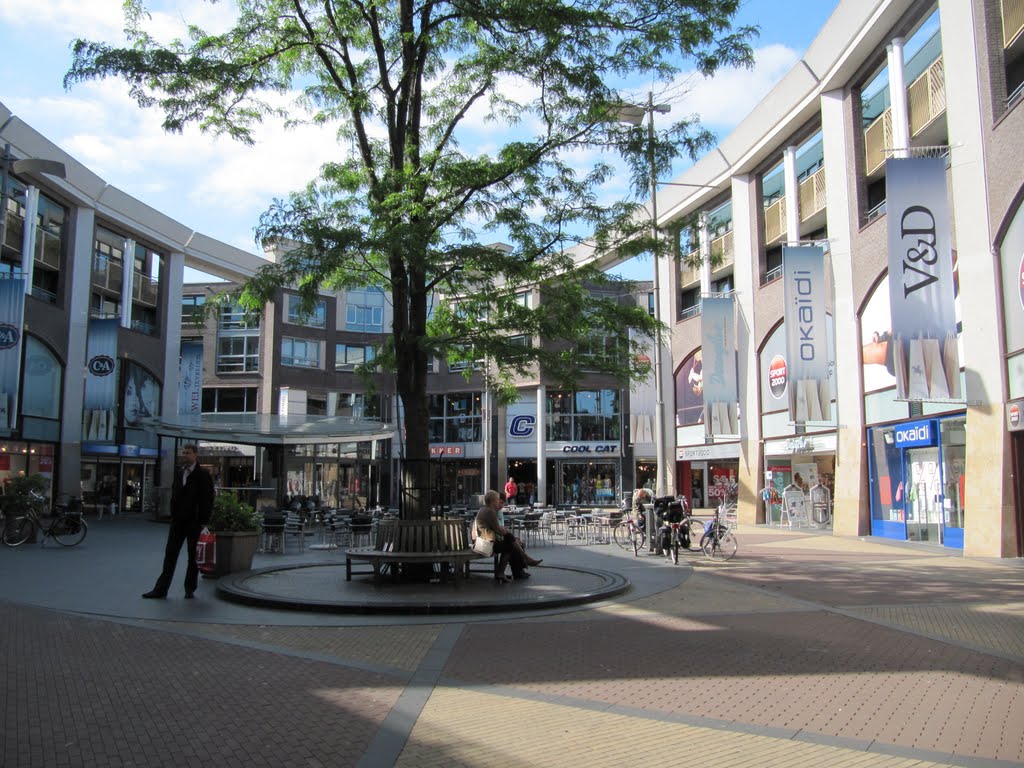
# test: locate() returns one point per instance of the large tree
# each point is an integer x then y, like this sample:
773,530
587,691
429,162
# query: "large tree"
403,207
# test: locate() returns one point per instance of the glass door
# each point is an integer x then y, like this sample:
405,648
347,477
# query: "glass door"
923,494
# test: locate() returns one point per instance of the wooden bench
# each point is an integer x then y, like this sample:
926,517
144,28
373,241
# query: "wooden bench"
398,542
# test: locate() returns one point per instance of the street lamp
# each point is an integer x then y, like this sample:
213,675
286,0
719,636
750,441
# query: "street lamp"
634,114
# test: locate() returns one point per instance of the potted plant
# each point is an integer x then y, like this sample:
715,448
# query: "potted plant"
237,526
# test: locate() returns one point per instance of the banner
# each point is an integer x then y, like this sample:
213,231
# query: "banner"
100,380
12,313
806,365
718,355
190,378
925,359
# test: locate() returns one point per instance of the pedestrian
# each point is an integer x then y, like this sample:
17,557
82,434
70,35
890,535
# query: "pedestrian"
511,489
489,527
191,506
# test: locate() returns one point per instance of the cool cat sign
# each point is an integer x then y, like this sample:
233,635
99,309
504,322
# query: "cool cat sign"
583,449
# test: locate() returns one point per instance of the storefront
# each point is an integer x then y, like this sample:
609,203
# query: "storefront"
917,481
707,474
118,478
584,473
807,462
457,472
21,459
1015,424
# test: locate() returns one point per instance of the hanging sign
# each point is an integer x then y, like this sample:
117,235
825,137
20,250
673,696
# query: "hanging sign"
718,347
810,397
100,380
12,312
926,362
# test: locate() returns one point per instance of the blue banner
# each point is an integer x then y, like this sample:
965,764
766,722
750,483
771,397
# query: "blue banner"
100,380
190,378
12,314
718,355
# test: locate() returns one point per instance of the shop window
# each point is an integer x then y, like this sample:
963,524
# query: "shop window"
455,417
584,415
40,381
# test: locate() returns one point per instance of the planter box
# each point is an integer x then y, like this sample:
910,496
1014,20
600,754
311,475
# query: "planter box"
235,552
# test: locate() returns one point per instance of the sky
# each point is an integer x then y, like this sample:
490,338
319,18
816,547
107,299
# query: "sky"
220,187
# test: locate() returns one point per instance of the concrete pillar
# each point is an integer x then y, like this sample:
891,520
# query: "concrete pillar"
851,510
745,200
174,275
127,282
990,525
792,195
77,288
28,238
542,434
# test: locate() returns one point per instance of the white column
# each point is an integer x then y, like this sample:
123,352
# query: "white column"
792,195
28,238
664,410
127,282
542,433
851,509
78,279
486,406
989,493
704,235
898,98
745,201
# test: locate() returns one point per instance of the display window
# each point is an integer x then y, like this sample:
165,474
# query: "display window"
586,483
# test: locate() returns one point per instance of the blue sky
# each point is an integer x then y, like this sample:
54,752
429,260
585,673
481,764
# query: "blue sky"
220,187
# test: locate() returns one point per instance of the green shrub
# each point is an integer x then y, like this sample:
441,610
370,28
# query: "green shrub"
231,515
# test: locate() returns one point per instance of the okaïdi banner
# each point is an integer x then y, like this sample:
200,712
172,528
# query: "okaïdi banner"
777,375
803,274
925,358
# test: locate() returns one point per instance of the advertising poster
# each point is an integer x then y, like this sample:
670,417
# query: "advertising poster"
923,334
690,391
190,378
141,398
12,312
100,380
806,364
718,348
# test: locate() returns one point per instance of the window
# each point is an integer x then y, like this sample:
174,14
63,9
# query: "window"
589,415
455,417
525,299
358,405
229,399
107,266
650,304
192,310
364,310
303,353
234,318
348,356
598,350
238,354
314,318
40,379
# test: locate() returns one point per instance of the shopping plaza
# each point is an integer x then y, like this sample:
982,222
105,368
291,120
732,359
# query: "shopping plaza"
108,359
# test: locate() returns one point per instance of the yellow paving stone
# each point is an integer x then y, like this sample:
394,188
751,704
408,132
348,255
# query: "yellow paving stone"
470,728
826,543
402,650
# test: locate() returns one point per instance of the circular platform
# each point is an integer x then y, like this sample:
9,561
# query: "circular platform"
322,588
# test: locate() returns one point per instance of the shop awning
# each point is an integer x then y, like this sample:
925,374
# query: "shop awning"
268,429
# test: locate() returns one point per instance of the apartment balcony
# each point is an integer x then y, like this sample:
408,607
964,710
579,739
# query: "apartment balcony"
48,248
813,202
775,222
1013,21
145,289
926,101
688,273
722,251
926,98
107,274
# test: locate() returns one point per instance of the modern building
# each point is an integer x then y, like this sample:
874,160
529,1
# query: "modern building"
885,80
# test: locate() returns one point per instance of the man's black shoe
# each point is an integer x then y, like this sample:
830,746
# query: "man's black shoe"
154,594
190,595
520,576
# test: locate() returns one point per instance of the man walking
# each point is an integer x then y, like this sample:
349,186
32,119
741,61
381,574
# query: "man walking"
191,505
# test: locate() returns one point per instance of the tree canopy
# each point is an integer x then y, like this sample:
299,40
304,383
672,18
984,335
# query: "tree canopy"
403,206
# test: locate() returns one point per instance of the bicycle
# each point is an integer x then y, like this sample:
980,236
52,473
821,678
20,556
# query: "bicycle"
676,530
718,541
629,534
67,527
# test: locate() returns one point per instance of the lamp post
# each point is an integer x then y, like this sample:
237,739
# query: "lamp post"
634,114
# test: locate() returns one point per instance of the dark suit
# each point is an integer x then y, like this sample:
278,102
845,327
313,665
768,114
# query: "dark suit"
191,505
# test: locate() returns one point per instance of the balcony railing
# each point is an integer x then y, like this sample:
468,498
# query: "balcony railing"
687,273
48,249
926,97
107,274
145,289
775,222
722,251
812,194
877,141
1013,21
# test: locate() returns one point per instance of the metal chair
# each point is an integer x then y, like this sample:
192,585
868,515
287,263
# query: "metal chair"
295,526
272,533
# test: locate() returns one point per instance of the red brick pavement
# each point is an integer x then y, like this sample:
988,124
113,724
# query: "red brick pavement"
80,692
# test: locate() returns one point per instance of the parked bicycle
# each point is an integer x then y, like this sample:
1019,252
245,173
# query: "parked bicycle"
629,533
718,541
67,527
677,526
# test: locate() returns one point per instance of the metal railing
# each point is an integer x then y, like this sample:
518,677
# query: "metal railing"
775,221
691,311
722,250
771,275
877,142
926,97
812,194
145,289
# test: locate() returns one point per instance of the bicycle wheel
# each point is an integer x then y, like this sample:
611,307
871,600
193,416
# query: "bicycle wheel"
69,530
675,549
620,535
719,548
18,530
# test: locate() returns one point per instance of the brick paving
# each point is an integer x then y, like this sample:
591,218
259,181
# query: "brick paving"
805,650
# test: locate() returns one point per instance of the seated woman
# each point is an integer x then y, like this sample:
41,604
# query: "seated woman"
509,549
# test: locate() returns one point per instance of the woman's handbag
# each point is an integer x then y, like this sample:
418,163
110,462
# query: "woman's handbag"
483,546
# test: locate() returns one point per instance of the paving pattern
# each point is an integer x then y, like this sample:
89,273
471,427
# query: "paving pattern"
805,650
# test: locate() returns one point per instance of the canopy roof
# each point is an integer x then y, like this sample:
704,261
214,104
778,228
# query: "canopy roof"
270,429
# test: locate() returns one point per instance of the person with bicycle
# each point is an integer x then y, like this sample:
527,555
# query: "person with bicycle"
191,506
